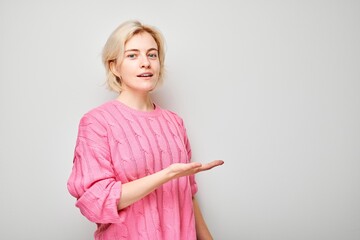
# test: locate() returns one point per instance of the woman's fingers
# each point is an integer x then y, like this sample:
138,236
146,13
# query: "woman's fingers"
210,165
198,167
185,169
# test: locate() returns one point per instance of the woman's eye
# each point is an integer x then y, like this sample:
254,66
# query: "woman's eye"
152,55
131,56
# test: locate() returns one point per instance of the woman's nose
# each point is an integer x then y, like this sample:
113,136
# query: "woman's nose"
145,63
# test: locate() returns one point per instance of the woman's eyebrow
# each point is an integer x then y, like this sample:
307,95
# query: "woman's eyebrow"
137,50
132,50
152,49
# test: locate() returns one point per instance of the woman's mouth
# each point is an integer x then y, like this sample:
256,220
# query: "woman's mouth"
145,75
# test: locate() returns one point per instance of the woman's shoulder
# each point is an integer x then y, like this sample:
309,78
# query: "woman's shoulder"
173,116
98,113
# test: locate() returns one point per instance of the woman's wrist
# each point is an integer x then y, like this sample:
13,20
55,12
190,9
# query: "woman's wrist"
167,174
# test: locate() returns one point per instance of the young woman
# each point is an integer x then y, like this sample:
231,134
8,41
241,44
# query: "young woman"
132,173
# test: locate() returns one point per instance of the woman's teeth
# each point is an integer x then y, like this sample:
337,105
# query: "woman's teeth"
145,75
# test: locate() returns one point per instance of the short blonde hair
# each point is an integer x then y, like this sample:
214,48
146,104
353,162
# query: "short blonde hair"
114,49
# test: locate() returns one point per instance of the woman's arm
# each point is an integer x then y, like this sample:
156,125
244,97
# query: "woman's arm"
137,189
202,231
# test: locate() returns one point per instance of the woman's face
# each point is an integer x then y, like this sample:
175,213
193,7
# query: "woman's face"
140,67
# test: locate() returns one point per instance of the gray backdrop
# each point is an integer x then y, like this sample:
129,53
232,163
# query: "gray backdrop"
271,87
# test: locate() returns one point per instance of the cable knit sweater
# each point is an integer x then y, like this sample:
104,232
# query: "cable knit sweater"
117,144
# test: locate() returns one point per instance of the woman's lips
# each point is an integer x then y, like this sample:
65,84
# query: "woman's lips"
145,75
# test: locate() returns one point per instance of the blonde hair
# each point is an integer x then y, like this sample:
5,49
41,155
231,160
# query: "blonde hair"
114,49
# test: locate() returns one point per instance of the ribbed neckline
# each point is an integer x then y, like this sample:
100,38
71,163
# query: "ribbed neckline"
155,112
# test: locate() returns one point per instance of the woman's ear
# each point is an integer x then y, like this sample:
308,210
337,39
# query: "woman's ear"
112,67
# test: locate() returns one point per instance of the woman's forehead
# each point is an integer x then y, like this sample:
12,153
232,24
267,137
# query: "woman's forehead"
141,41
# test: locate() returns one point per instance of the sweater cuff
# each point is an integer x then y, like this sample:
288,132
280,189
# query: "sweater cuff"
102,209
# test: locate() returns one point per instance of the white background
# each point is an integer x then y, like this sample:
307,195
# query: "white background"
271,87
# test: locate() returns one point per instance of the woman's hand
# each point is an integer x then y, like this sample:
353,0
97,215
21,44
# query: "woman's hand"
177,170
139,188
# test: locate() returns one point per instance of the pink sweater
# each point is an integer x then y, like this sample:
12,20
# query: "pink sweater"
117,144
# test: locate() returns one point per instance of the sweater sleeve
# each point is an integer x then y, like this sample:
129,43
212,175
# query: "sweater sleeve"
92,180
193,183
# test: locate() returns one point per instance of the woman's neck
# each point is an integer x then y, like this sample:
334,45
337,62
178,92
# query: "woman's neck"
141,102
